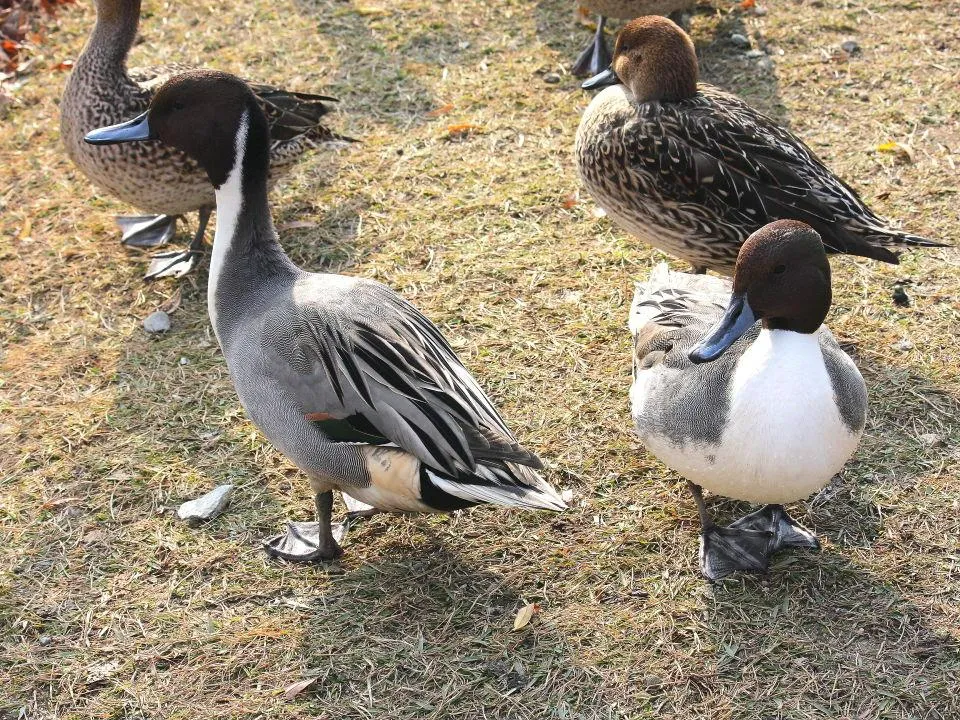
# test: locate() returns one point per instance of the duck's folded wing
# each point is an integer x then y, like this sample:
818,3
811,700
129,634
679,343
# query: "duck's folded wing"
391,375
292,115
716,152
672,311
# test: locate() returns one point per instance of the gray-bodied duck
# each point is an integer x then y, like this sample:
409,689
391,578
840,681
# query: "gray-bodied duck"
693,170
596,57
154,177
343,375
743,391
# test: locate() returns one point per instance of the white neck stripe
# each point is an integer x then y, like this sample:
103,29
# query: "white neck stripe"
229,205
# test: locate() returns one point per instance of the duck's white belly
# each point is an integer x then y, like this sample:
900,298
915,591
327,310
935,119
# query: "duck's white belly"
784,437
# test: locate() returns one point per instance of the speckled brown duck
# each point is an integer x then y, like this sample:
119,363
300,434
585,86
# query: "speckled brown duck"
154,177
693,170
596,57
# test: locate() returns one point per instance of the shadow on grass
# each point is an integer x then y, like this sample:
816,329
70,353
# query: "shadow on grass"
371,79
426,634
834,638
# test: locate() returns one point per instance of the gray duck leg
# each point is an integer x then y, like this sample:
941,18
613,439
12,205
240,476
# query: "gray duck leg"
177,263
681,18
307,541
726,550
596,58
787,532
146,231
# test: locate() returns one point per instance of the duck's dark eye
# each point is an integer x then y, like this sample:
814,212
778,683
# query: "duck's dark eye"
177,105
779,269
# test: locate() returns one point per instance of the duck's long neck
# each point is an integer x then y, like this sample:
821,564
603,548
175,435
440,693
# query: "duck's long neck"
247,261
112,36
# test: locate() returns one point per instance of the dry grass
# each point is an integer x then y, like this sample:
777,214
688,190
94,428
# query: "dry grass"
111,608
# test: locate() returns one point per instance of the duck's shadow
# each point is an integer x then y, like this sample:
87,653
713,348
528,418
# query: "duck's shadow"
439,628
845,639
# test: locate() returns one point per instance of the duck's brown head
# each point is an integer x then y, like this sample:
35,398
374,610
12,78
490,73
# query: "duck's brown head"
782,278
655,59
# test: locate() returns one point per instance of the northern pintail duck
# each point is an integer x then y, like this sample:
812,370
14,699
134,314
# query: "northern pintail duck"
693,170
596,57
744,391
344,376
154,177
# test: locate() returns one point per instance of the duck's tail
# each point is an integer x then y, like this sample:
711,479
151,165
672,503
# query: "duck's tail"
876,243
503,483
295,114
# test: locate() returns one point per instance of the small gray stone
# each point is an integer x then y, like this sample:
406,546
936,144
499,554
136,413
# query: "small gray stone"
903,346
740,41
551,78
754,54
851,47
156,322
765,63
760,11
931,440
44,640
206,507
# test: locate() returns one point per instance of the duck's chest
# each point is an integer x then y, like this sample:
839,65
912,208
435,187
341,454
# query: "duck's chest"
781,434
149,175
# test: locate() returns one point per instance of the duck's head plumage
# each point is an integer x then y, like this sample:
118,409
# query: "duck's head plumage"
782,278
655,59
783,271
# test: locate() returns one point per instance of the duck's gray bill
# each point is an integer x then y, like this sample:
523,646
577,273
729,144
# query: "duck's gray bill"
136,129
735,322
601,80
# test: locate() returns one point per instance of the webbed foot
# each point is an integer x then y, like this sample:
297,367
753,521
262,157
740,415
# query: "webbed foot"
725,550
596,57
304,542
357,509
786,531
173,263
146,231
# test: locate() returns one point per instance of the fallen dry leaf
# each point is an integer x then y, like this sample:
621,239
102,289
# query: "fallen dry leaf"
64,65
525,615
571,199
901,150
442,110
171,304
462,129
747,4
298,687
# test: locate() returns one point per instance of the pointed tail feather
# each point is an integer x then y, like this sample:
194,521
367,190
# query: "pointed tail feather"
899,237
875,243
510,485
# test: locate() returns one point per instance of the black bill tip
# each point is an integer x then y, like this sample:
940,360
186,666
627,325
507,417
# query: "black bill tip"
601,80
738,318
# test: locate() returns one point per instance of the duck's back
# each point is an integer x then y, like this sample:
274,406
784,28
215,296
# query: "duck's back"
695,177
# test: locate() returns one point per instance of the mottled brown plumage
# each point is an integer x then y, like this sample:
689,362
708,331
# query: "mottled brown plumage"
693,170
152,176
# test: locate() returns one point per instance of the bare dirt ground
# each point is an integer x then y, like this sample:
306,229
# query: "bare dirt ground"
111,608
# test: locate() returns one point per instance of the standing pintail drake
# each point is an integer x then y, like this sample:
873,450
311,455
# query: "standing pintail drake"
596,57
344,376
693,170
154,177
744,391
